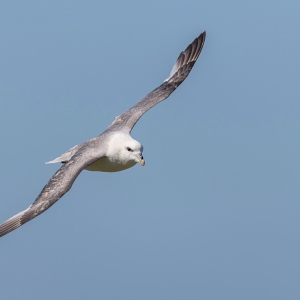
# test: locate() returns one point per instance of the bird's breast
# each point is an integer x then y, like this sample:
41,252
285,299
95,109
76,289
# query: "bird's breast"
105,165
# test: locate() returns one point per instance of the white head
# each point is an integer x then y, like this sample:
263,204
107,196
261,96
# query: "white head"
123,149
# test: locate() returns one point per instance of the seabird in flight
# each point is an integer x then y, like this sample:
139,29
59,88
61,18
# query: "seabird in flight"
113,150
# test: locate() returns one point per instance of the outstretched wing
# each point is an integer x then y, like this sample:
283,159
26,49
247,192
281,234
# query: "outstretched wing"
57,186
179,72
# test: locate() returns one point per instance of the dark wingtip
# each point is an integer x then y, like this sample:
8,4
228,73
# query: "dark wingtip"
10,225
186,60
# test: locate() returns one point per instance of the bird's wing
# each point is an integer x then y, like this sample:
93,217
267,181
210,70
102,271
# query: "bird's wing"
58,185
179,72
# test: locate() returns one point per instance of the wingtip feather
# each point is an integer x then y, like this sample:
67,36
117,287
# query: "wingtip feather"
186,60
10,225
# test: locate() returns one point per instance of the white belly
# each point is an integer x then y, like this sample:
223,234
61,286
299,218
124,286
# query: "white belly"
105,165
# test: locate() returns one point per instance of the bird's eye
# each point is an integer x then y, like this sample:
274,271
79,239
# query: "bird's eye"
129,149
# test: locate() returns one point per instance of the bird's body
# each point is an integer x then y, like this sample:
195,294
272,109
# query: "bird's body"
112,151
122,153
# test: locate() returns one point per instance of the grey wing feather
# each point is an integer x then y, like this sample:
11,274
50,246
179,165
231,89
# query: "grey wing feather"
59,184
65,157
179,72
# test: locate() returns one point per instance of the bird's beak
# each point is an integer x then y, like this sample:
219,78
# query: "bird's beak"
141,160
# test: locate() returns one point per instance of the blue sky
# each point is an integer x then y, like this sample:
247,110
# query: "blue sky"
214,214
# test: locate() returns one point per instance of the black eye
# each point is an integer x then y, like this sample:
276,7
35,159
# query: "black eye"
129,149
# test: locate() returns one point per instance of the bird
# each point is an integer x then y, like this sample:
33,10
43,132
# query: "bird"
113,150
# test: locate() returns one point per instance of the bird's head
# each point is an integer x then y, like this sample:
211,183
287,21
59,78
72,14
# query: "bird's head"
126,150
134,151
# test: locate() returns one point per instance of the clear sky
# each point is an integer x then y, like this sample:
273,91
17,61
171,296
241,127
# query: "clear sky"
214,214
